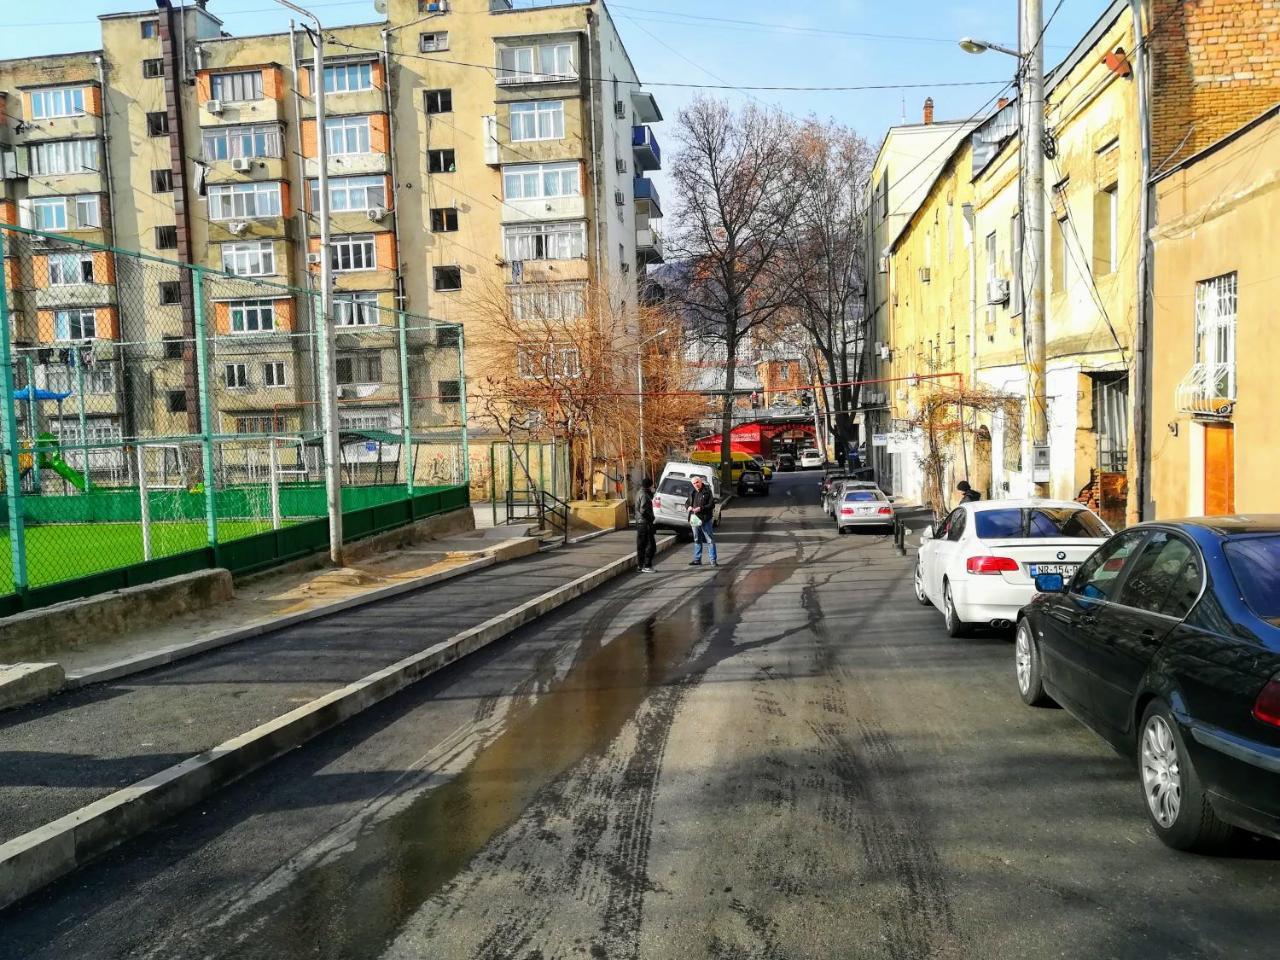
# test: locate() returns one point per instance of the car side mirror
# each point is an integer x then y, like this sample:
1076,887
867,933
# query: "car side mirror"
1050,583
928,533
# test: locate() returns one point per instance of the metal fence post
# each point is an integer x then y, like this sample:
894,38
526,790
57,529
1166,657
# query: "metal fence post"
84,421
144,502
12,447
406,406
206,406
274,460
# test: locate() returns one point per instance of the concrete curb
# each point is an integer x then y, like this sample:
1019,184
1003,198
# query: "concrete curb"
41,856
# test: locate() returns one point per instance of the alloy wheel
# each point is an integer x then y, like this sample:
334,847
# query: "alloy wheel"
920,594
1022,657
1161,772
949,608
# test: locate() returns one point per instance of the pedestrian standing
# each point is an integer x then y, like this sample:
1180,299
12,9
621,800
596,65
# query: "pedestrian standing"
967,493
646,542
702,508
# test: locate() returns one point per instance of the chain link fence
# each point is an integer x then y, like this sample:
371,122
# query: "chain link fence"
155,408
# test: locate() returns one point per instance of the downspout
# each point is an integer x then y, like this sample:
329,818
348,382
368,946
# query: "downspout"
1136,509
302,210
595,153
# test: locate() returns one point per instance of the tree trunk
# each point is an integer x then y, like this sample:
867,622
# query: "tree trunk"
726,416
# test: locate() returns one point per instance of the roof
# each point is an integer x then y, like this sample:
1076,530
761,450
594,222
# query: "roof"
1025,504
1235,525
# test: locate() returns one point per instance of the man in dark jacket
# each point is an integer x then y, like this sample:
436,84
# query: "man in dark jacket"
703,506
646,542
967,493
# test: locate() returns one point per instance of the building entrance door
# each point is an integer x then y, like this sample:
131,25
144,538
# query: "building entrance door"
1219,469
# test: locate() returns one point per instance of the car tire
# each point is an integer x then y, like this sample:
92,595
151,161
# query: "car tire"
955,626
1027,670
1173,797
921,597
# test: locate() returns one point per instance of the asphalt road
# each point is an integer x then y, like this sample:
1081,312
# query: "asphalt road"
785,757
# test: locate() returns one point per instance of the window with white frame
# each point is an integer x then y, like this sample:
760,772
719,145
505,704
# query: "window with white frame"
537,120
249,141
236,376
1216,303
355,309
255,258
253,316
237,87
545,241
537,181
98,379
244,201
57,157
77,323
363,368
346,136
433,42
537,63
348,77
66,269
368,421
273,374
351,253
88,211
541,361
352,193
549,301
57,102
261,424
49,213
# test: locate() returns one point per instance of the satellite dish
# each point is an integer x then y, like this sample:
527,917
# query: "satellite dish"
380,6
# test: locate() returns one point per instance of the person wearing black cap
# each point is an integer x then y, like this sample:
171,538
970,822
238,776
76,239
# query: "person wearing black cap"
646,542
967,493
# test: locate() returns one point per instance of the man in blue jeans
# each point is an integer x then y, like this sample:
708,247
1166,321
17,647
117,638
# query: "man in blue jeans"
702,505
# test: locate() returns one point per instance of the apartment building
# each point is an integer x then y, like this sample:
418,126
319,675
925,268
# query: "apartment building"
474,150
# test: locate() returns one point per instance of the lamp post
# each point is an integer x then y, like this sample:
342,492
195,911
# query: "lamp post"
324,329
640,391
1031,104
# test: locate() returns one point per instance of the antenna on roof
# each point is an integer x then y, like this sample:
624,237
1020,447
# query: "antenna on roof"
904,110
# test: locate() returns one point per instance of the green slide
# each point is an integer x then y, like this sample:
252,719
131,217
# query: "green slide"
50,458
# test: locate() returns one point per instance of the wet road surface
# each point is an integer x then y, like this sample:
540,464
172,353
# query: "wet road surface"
784,757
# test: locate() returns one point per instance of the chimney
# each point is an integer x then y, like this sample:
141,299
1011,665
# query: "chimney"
1002,103
928,110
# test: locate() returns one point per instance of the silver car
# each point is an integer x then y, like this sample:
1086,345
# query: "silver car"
675,488
863,508
835,493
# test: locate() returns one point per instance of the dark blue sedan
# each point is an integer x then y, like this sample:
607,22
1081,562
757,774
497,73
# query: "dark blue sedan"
1166,642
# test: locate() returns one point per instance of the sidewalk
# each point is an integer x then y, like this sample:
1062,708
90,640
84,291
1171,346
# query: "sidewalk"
61,754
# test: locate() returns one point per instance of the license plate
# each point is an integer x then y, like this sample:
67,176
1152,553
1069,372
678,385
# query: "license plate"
1066,569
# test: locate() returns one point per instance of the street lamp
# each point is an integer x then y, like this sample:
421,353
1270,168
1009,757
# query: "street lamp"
972,45
640,390
328,358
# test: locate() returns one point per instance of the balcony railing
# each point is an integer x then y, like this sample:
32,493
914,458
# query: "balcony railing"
645,146
1208,390
649,245
647,198
515,78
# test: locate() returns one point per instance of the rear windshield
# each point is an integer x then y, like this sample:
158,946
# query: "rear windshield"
1256,563
1040,522
860,496
675,487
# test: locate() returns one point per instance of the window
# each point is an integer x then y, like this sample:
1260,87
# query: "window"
273,374
1058,255
236,376
444,219
1255,561
536,63
992,270
253,316
448,335
549,301
153,68
1096,578
246,85
57,102
538,120
1015,262
264,425
356,310
441,161
230,143
448,278
360,368
1111,420
450,391
177,401
49,213
173,347
545,241
346,77
352,193
161,181
57,157
170,292
88,211
1106,208
99,379
254,259
347,254
537,181
70,268
347,135
367,421
150,29
1165,577
157,123
543,361
1216,302
75,324
439,101
167,238
244,201
433,42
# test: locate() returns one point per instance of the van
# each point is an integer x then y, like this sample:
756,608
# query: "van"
675,487
741,461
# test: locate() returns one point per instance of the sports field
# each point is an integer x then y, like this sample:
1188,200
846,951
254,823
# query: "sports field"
64,551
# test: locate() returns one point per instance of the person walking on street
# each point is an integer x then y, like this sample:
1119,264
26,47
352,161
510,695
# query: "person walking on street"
646,542
967,493
702,508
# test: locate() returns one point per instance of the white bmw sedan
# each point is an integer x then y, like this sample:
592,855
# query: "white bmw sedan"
978,566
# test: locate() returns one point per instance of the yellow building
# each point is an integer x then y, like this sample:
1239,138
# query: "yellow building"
1214,391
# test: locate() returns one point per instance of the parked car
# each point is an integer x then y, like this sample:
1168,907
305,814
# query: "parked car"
811,459
765,466
1167,643
863,508
838,489
675,487
741,461
978,566
786,462
752,481
830,476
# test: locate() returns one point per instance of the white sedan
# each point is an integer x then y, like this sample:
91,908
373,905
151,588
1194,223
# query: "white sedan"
978,566
811,459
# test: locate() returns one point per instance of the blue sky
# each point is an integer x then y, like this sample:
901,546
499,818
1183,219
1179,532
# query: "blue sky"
764,42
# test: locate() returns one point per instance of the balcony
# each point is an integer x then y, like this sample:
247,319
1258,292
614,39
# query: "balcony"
1208,390
645,106
645,147
649,245
648,203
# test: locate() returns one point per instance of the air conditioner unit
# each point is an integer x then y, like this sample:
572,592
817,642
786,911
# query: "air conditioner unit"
213,106
376,214
241,164
621,165
924,274
626,267
619,197
884,264
620,110
436,6
884,351
314,258
997,291
238,227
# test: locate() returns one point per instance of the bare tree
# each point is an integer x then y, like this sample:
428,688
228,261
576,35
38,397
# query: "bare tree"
735,205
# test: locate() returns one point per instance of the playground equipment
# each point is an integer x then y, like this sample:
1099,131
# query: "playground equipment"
49,456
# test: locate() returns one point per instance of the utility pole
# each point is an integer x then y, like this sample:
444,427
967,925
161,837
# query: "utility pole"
1033,219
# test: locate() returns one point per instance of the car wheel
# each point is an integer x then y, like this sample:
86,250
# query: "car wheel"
1026,658
1174,798
921,597
955,626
